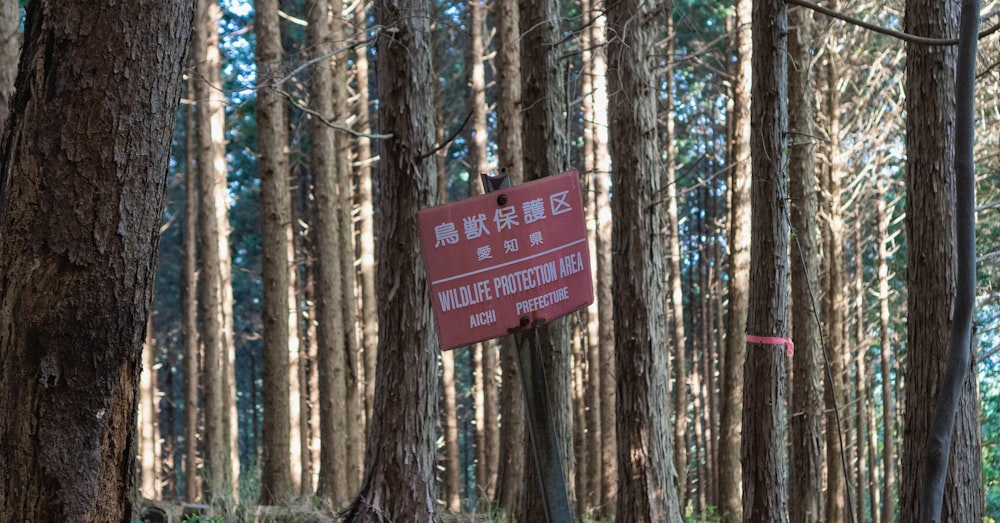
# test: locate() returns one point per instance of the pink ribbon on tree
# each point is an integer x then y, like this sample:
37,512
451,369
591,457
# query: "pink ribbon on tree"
772,340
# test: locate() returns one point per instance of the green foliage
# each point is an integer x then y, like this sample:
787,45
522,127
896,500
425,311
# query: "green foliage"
710,515
198,518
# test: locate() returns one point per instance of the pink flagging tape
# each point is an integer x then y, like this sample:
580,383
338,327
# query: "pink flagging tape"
771,340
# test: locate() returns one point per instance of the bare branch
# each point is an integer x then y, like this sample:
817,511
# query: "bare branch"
906,37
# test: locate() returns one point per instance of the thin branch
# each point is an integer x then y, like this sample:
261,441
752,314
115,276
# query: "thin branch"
450,139
328,122
906,37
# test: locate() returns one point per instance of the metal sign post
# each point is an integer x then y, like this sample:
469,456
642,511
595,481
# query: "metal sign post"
542,432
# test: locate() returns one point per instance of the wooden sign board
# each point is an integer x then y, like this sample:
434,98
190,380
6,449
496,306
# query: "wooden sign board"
503,261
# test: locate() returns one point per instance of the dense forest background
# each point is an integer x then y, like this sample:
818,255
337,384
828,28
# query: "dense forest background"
856,94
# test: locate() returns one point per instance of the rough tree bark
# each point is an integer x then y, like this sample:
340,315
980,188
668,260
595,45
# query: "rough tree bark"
883,217
605,307
275,206
353,431
366,229
679,342
544,105
399,467
452,465
807,400
192,346
333,478
646,476
931,148
487,433
213,244
764,482
10,46
590,468
833,299
510,470
84,162
730,420
149,456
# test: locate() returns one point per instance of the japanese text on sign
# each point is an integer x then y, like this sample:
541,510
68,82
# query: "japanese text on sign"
499,260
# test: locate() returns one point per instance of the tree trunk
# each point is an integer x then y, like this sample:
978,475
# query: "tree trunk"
730,422
591,467
148,412
931,276
545,154
333,475
884,217
605,307
862,381
308,346
764,482
580,412
354,428
449,423
833,313
679,342
645,474
189,325
399,467
275,205
366,236
10,47
297,390
213,245
510,470
79,228
487,435
167,420
807,400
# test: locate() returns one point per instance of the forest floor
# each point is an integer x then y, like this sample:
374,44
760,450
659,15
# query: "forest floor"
154,511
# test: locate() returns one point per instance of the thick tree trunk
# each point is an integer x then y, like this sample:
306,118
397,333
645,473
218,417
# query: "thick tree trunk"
730,423
931,275
399,466
213,244
80,210
545,153
275,205
807,400
646,477
510,470
333,474
763,450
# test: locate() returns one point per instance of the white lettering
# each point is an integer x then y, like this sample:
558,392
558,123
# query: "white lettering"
483,318
543,301
465,295
524,280
571,264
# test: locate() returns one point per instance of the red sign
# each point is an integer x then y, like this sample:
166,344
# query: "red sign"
502,261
